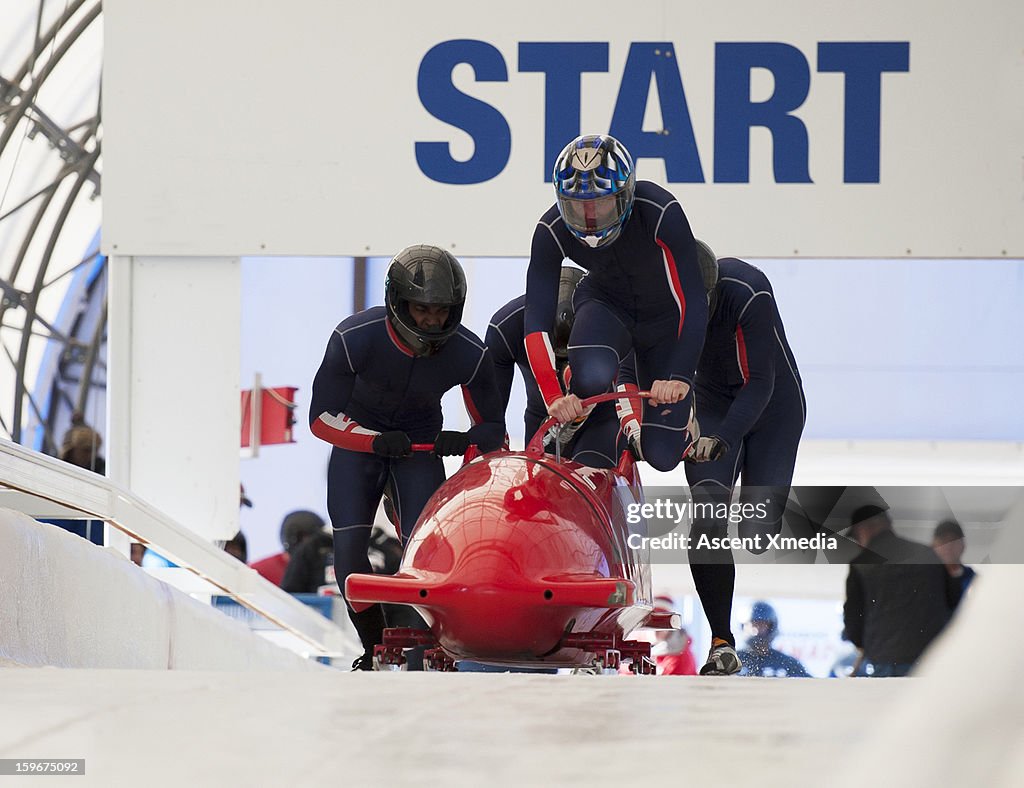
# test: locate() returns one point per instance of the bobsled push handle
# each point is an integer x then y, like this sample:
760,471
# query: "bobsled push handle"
535,448
471,453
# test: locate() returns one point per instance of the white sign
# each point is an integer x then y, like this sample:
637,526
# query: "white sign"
349,128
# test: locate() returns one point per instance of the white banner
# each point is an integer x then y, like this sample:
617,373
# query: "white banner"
320,127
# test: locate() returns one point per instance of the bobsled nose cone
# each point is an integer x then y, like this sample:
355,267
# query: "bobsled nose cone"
483,613
487,607
487,623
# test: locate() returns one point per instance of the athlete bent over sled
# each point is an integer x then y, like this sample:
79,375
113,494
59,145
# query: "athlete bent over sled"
595,442
378,391
751,408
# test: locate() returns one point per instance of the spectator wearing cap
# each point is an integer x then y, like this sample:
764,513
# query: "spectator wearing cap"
898,595
296,528
948,543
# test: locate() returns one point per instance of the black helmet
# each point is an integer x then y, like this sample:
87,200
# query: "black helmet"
709,272
565,314
427,275
299,526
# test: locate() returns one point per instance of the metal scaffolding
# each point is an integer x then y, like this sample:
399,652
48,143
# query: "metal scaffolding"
52,277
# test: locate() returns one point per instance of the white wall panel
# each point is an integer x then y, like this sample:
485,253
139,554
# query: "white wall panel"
292,128
174,395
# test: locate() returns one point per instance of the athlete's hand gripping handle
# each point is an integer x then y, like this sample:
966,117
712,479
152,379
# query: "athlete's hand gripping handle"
449,443
535,448
392,444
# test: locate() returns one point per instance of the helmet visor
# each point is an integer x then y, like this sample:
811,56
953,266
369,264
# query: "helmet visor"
594,214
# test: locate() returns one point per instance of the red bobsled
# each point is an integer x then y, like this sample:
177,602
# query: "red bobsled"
524,560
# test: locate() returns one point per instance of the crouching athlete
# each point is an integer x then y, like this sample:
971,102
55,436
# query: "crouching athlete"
593,442
378,391
750,403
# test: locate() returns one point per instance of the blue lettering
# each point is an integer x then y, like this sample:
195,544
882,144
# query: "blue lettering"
675,144
562,65
863,63
735,113
492,139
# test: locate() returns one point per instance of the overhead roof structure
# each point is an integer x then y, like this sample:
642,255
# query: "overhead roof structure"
52,304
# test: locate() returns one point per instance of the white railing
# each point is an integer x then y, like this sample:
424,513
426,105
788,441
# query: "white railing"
43,487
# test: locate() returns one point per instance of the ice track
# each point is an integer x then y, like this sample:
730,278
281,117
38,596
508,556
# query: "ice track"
332,728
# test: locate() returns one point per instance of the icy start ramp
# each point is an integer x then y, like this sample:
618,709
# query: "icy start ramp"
333,728
327,727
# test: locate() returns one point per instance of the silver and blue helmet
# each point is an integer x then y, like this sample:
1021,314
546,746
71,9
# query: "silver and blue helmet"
594,183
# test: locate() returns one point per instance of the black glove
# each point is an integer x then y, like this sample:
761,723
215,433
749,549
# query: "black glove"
448,443
706,448
633,445
392,444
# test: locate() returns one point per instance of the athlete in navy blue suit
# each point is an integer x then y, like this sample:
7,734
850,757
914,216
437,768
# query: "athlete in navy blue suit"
593,444
504,340
643,293
751,408
378,391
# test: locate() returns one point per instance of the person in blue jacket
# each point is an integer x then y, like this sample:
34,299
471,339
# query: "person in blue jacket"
759,658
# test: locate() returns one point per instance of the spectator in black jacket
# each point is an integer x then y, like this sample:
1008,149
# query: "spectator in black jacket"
898,595
948,543
311,566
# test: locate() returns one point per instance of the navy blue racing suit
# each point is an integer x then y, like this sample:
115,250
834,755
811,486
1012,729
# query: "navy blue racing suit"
644,292
749,394
368,383
504,341
597,443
